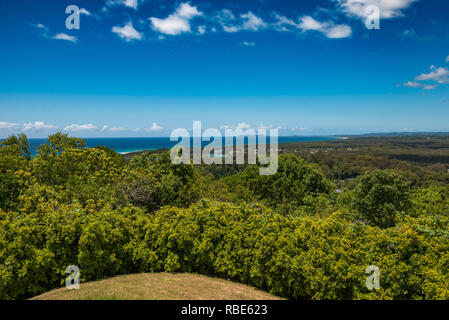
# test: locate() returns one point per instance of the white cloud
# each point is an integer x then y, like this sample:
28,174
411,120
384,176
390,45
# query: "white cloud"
249,43
408,33
429,86
117,129
248,21
230,29
243,125
127,32
187,11
438,75
80,127
173,25
155,127
31,126
330,30
178,22
85,12
266,127
201,29
8,125
431,80
240,126
131,3
252,22
64,36
226,19
112,129
45,32
127,3
41,26
38,125
284,24
309,23
412,84
447,59
298,129
388,8
338,32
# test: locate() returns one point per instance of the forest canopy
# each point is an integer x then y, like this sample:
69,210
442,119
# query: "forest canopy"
307,232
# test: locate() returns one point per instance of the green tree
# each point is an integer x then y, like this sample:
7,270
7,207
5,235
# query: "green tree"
16,145
294,180
379,195
152,181
14,158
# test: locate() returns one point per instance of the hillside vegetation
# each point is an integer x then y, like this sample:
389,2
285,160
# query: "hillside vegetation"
304,233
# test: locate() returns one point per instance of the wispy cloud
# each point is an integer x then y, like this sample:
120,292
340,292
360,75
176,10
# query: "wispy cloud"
80,127
308,23
201,29
29,127
240,126
64,36
438,75
181,21
127,32
430,80
328,28
45,32
249,43
37,125
226,19
117,129
246,22
85,12
252,22
388,8
283,23
155,127
8,125
338,32
408,33
42,30
127,3
412,84
429,86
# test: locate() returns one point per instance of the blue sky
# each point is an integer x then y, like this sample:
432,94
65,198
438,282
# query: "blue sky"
143,68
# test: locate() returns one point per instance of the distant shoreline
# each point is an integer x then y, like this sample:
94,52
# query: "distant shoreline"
129,145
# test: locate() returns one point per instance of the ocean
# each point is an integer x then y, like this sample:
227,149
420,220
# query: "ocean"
126,145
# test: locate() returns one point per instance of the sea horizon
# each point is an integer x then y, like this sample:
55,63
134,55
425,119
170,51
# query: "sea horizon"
124,145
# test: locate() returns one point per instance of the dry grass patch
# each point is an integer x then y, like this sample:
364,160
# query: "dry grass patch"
159,286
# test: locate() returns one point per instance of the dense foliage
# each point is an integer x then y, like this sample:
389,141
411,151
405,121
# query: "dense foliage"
291,233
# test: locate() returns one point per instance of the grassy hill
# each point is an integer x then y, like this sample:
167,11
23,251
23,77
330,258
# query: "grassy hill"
159,286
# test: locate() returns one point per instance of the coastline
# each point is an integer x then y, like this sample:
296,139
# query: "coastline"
129,145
